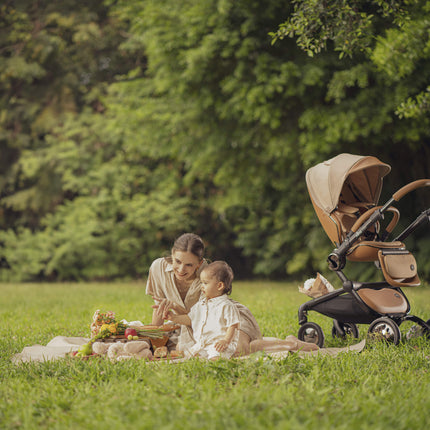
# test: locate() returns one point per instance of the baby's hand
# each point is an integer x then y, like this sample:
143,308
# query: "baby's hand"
221,345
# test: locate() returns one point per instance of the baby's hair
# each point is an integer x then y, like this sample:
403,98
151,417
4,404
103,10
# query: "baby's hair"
222,273
190,242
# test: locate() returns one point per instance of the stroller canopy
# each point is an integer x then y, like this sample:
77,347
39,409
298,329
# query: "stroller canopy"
358,177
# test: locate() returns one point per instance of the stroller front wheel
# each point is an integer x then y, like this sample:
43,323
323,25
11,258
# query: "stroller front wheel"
384,329
344,329
312,333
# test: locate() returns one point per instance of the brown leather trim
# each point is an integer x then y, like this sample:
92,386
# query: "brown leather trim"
368,250
384,301
410,187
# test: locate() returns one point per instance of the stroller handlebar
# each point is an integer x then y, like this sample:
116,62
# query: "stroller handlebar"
410,187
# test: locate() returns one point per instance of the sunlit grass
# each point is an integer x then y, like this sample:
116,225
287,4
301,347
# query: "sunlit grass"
382,387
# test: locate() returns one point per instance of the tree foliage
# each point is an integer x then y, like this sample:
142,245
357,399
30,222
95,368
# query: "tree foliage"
394,35
145,119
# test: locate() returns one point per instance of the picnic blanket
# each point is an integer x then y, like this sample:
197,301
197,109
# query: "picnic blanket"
58,347
61,346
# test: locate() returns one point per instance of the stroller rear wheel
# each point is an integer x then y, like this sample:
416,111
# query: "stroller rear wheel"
384,329
342,330
312,333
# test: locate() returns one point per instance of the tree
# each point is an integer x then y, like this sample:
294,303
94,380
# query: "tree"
56,59
81,199
56,63
210,130
394,35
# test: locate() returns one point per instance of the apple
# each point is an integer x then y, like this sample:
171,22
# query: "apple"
130,332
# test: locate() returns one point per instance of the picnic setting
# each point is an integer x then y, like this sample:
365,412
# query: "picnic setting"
214,215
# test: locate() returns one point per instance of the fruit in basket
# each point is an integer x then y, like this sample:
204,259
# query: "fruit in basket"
130,332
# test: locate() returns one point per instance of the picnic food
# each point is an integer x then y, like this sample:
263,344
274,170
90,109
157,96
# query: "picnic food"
84,350
100,347
130,332
161,352
136,347
119,339
121,351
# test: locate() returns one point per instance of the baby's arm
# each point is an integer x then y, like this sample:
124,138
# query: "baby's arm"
222,344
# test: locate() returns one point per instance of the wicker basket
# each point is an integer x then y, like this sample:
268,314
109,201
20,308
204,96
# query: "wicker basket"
162,341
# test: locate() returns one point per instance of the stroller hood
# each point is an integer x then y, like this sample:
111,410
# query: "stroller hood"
364,175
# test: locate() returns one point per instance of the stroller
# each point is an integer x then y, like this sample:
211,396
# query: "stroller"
344,192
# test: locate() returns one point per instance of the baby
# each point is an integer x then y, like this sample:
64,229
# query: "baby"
214,319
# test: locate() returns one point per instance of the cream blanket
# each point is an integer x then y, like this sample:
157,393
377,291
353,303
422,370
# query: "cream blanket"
61,346
58,347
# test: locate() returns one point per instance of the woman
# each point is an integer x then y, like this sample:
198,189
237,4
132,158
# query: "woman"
174,283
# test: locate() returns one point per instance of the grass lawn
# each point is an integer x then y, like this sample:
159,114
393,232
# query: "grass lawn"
383,387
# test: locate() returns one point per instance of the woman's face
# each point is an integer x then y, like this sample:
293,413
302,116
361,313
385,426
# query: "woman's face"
184,265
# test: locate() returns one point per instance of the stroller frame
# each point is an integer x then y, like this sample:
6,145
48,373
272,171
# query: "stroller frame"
382,304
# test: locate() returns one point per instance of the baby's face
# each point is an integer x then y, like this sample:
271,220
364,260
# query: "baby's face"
211,287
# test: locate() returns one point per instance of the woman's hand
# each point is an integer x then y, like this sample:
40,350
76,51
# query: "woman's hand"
165,307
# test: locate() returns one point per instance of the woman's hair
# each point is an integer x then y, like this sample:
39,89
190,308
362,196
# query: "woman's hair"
190,242
222,273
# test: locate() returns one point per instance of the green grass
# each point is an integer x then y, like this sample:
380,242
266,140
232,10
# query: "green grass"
382,387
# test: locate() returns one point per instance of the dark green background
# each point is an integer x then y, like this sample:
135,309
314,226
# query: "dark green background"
126,123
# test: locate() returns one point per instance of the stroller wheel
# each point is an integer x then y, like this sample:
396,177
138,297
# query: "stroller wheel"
312,333
344,329
384,329
425,331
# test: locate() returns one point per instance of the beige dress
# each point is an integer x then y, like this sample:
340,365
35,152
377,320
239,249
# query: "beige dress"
161,283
